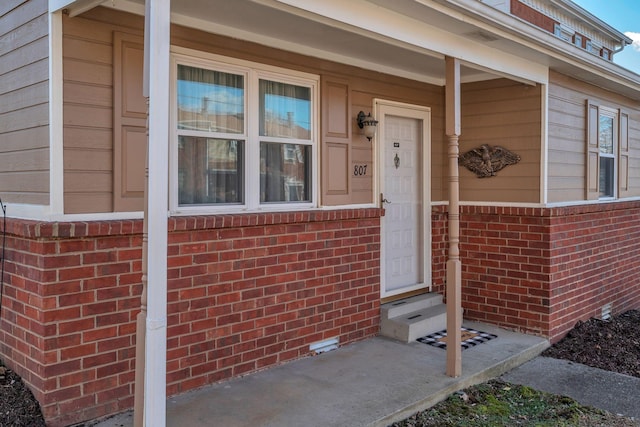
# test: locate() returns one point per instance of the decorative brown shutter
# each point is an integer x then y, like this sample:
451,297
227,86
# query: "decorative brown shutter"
623,154
336,142
129,127
593,152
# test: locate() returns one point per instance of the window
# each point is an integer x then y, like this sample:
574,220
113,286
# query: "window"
607,152
557,29
605,53
244,137
588,45
577,40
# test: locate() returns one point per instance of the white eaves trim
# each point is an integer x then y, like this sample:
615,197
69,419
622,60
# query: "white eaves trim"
531,37
388,24
75,7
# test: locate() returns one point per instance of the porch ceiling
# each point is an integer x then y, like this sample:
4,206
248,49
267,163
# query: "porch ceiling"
273,23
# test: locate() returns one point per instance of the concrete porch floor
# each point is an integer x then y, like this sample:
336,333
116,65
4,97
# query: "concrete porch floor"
374,382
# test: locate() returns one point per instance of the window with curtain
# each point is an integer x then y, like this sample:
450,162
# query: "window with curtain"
210,162
285,169
607,155
244,137
607,163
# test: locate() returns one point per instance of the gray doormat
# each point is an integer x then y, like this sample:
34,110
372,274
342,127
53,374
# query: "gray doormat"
470,338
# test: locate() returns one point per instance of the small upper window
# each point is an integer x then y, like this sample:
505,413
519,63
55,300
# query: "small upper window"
607,154
588,46
557,29
577,40
605,53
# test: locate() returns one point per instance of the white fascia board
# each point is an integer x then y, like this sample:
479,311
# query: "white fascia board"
75,7
539,40
56,5
386,23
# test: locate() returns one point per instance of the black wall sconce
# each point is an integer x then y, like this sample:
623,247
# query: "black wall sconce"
367,123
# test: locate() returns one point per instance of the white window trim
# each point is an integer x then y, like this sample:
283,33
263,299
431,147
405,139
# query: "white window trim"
252,71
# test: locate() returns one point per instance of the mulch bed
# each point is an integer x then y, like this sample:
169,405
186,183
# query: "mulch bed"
612,345
18,407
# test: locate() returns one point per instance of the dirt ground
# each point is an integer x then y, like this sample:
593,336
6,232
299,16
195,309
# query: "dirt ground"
18,407
612,345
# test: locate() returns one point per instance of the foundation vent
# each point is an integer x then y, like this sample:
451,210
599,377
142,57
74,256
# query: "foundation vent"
606,311
324,346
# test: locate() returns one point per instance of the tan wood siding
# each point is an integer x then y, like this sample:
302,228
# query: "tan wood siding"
505,113
88,116
567,180
24,108
89,67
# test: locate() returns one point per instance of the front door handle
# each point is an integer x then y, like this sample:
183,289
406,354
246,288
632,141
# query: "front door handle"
383,200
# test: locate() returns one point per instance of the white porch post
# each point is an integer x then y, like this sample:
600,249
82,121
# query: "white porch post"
157,83
454,265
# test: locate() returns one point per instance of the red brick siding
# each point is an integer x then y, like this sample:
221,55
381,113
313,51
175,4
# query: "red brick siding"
439,248
250,291
540,270
506,266
531,15
245,292
596,261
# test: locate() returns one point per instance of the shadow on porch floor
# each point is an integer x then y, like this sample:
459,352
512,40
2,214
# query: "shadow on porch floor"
369,383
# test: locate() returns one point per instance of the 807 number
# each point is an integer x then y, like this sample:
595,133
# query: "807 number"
359,170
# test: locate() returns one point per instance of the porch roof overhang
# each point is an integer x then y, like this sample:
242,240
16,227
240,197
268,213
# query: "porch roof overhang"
408,38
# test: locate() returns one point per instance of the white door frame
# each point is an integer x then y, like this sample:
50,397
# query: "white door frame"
382,108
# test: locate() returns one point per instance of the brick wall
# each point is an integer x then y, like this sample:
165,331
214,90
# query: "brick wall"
506,264
244,292
531,15
596,262
250,291
540,270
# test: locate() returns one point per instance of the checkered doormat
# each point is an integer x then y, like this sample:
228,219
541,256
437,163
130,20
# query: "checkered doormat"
470,338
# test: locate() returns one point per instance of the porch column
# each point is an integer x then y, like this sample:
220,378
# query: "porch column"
152,331
454,265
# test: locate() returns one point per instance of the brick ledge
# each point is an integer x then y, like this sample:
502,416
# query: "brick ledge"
79,229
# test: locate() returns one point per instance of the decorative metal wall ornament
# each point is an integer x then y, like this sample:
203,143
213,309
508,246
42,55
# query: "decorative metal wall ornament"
396,161
486,160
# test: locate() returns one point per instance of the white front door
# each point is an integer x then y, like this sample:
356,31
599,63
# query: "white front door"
404,186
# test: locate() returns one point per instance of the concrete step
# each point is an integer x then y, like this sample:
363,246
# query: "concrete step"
408,327
408,305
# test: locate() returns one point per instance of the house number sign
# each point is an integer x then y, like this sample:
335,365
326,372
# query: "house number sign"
359,170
